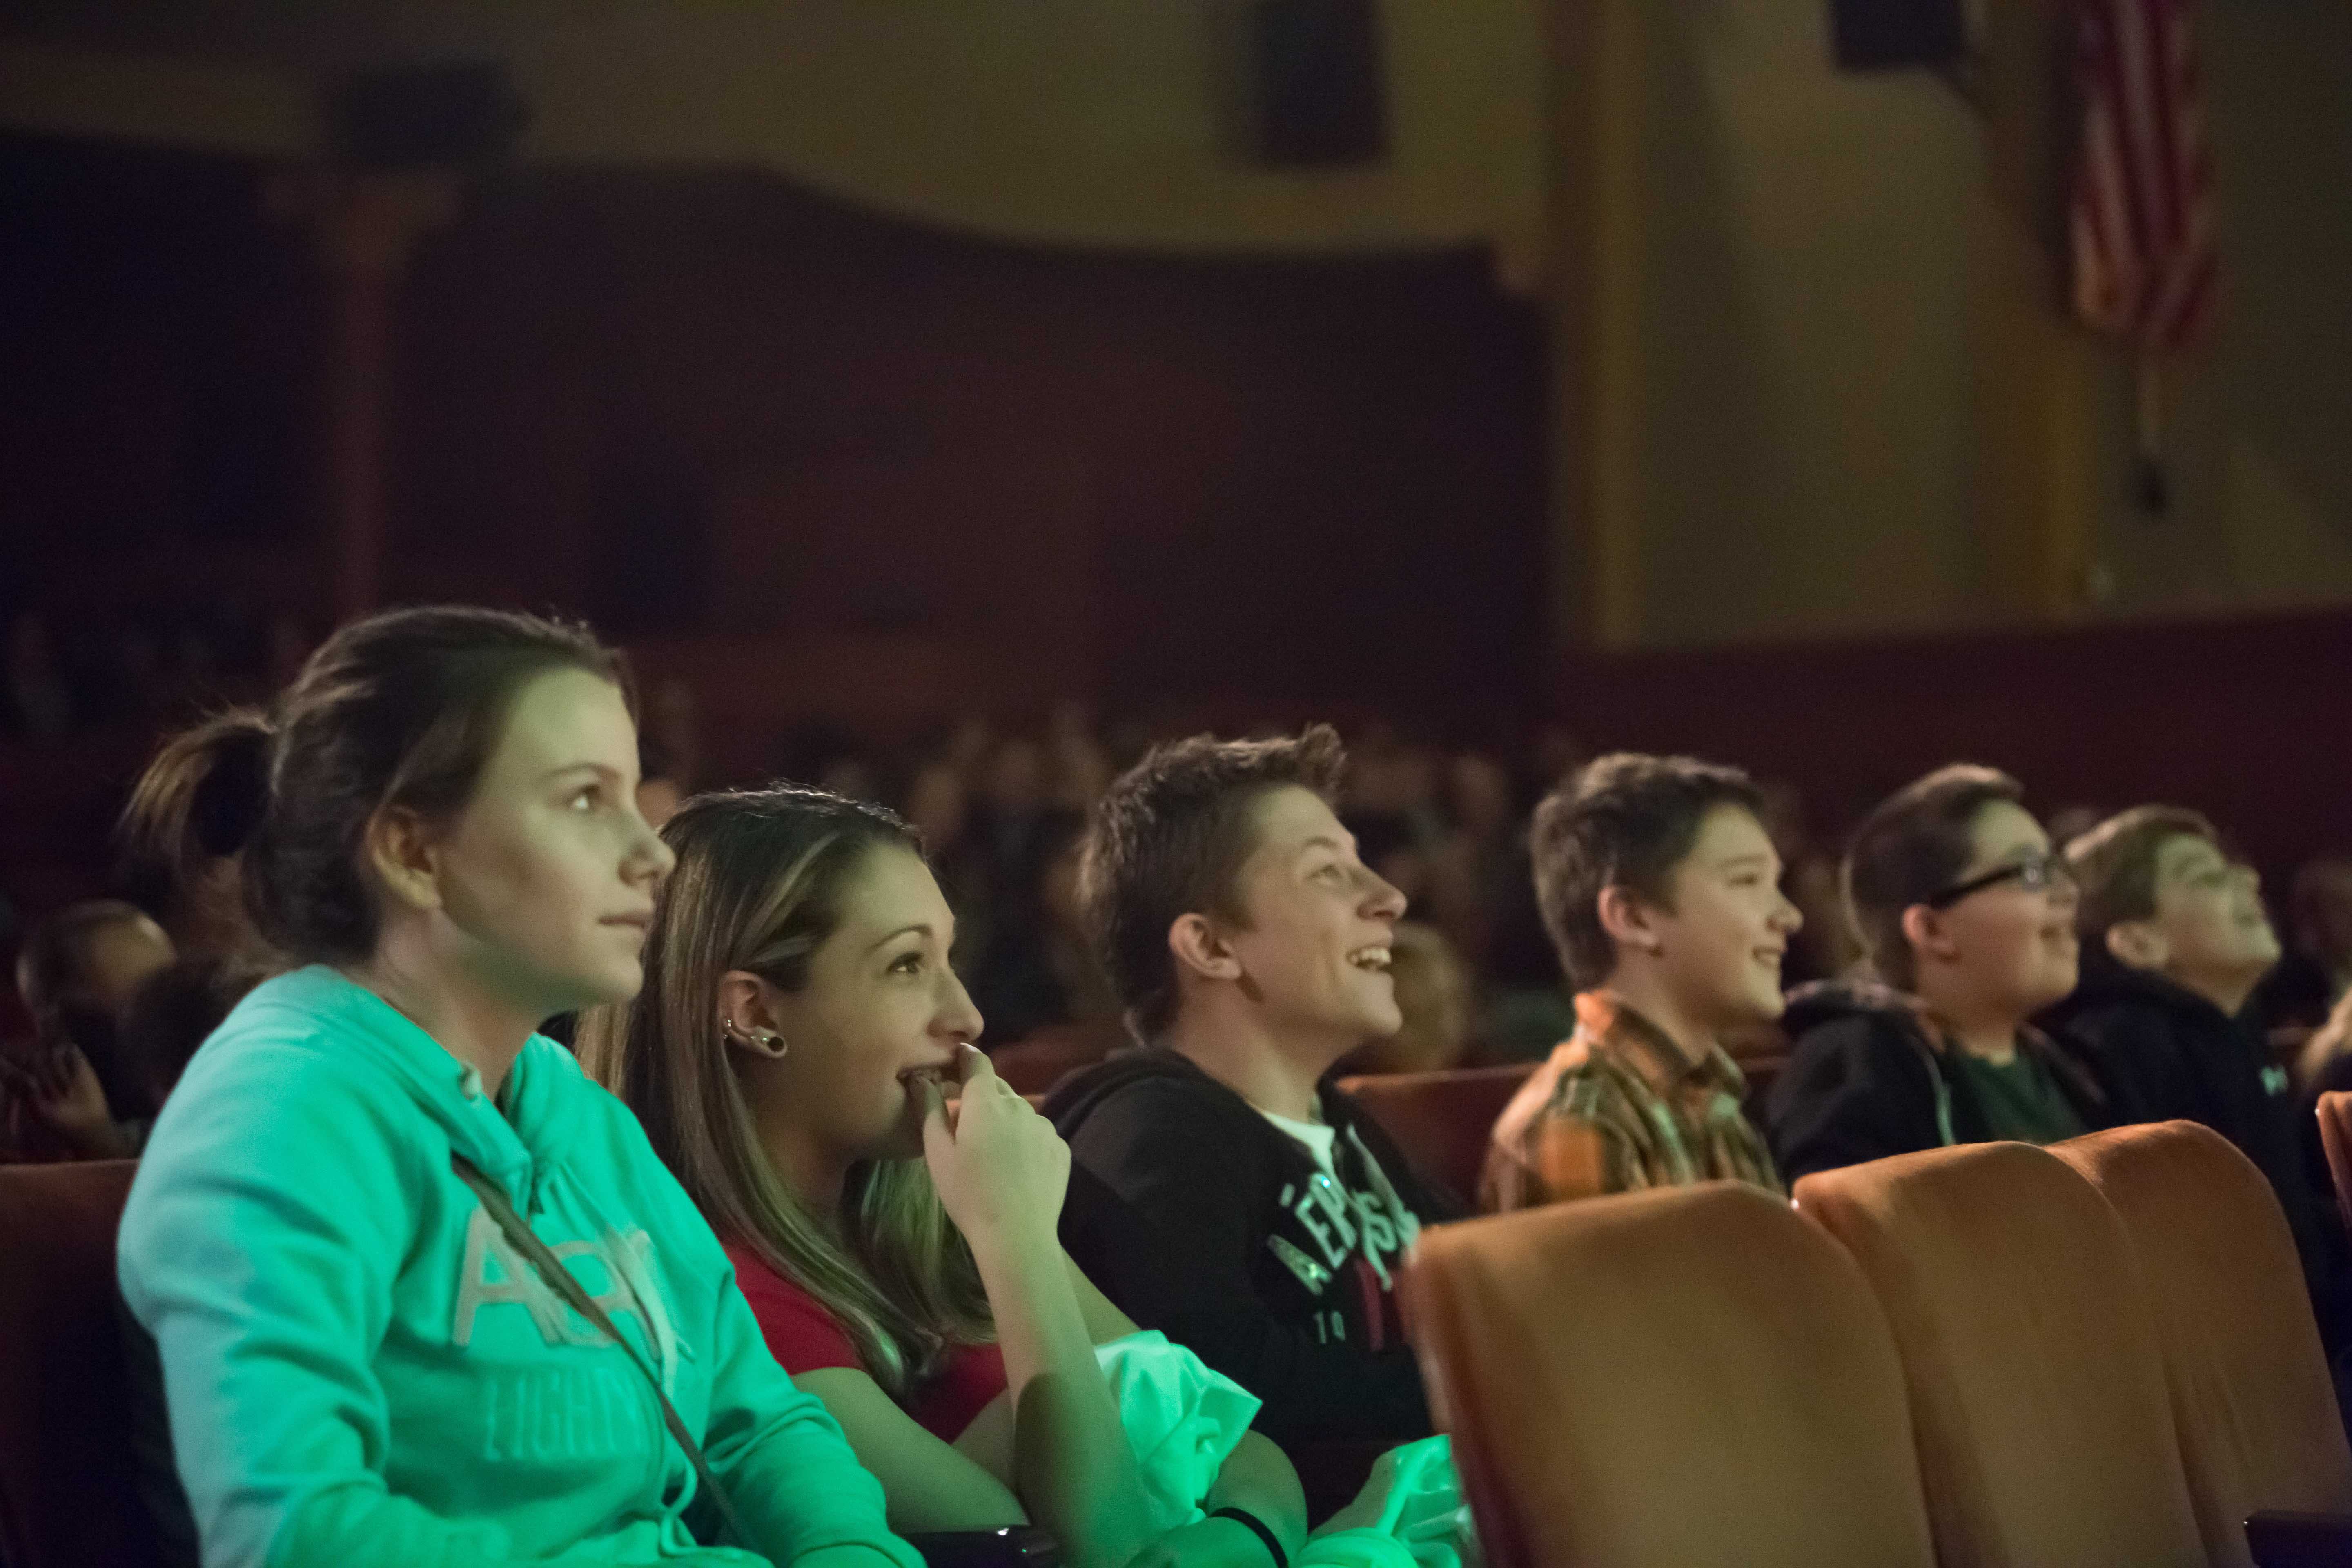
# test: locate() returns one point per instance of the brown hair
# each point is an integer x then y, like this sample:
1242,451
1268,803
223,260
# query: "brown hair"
1914,843
2114,865
400,709
758,887
1169,838
200,799
1624,820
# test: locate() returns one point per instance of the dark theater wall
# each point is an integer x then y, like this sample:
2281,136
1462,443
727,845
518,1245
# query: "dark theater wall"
707,402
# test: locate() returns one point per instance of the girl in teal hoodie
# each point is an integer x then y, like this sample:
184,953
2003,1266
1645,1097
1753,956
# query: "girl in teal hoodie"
360,1367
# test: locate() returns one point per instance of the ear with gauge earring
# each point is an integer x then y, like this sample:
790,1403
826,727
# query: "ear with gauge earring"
767,1042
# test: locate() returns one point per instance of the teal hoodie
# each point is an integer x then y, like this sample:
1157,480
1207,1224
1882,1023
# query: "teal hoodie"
360,1371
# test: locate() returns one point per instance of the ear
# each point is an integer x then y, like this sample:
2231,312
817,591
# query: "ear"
1198,947
1630,922
1922,928
2137,944
404,851
747,1014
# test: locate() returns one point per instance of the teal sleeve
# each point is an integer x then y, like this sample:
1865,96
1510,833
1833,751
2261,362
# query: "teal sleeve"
790,1473
259,1248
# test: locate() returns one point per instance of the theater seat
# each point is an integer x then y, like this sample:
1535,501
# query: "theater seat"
1044,1056
2251,1398
2335,1137
66,1498
2037,1386
1690,1378
1442,1121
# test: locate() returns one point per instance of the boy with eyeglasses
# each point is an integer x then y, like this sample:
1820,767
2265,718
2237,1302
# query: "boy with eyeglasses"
1968,921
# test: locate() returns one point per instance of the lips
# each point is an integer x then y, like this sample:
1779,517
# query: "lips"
640,923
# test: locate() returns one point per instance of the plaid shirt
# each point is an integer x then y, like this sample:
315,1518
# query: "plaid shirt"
1619,1107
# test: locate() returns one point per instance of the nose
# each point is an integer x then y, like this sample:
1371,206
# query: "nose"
650,857
1384,900
1787,918
958,1016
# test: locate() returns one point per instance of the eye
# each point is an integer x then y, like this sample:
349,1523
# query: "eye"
908,962
587,798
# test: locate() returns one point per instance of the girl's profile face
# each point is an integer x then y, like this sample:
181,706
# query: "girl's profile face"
548,874
881,1003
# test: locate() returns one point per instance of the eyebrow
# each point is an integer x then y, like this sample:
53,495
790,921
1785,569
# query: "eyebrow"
600,769
919,927
1323,841
1754,856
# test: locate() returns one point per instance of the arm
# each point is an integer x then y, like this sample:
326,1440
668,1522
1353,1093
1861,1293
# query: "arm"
803,1491
1002,1171
267,1291
928,1485
1162,1216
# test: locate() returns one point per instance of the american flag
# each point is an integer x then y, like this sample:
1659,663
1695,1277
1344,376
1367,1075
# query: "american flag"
2143,207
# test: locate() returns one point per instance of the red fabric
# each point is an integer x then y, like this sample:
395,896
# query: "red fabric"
804,1337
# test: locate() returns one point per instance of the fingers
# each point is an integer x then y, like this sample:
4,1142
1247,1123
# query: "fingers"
938,1132
973,1065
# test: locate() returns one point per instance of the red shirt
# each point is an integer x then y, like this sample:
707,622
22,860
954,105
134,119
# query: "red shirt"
804,1337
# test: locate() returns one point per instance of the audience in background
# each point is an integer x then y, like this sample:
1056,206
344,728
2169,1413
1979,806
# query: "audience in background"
1240,1202
903,1265
1969,921
1433,997
2316,972
74,1095
1661,889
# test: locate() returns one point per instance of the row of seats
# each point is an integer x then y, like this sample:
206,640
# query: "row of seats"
1989,1356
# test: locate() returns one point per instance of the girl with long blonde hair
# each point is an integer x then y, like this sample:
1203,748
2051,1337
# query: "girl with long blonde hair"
792,1056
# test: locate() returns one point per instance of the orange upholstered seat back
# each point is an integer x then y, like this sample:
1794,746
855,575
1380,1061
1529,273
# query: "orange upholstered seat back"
1689,1378
2037,1388
2251,1398
1442,1121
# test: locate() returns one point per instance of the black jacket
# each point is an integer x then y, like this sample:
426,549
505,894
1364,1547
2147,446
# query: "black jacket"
1869,1075
1214,1226
2166,1053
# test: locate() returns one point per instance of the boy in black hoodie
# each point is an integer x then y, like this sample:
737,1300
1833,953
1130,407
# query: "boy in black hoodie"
1969,921
1240,1203
2175,941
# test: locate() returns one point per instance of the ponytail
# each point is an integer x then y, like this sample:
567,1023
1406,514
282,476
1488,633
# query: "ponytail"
200,800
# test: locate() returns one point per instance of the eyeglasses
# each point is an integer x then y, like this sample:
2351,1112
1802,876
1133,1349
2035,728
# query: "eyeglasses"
2036,873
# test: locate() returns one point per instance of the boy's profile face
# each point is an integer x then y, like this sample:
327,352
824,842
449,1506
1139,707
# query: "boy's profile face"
2209,921
1728,926
1315,947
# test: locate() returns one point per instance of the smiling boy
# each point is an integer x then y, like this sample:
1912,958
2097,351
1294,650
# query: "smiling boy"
2175,938
1240,1203
1661,890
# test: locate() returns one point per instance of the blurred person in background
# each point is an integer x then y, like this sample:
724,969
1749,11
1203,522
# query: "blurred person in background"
75,1095
2317,972
1473,862
37,700
1969,917
660,790
173,1012
1433,995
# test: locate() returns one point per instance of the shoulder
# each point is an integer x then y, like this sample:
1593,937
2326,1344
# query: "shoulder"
801,1334
1126,1096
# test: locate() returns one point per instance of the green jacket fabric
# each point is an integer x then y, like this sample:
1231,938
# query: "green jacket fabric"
361,1370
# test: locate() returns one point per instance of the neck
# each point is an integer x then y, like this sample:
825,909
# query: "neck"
2229,993
1983,1030
1643,993
465,1018
1235,1045
813,1173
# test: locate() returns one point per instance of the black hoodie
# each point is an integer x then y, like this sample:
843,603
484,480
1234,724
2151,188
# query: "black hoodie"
1870,1073
1249,1254
2167,1053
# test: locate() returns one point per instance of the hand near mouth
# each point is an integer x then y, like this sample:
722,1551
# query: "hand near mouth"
1001,1169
